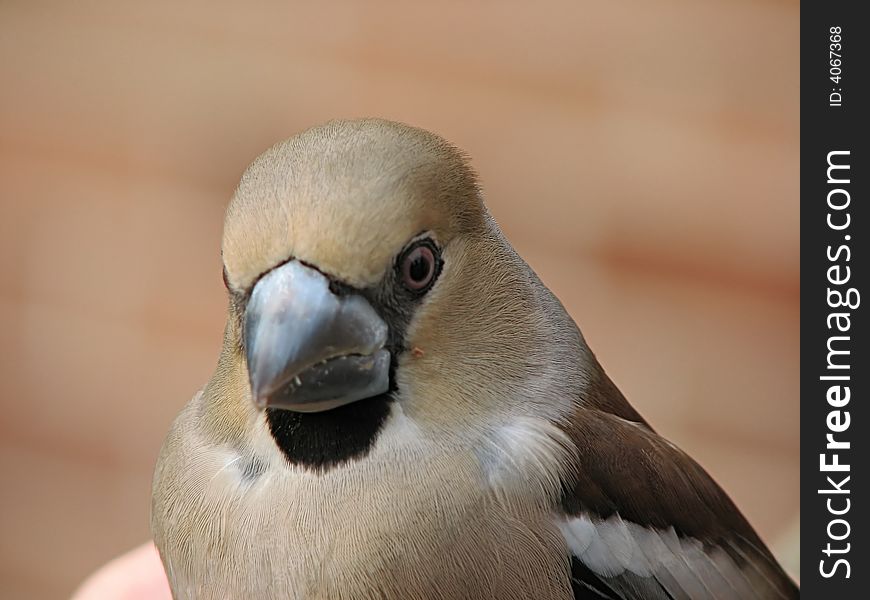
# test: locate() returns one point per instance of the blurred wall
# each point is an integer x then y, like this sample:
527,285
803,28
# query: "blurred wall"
643,156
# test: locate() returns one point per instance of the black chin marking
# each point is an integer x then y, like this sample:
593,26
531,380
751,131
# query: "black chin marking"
323,440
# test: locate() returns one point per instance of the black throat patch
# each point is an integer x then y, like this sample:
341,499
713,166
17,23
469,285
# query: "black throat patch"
320,441
323,440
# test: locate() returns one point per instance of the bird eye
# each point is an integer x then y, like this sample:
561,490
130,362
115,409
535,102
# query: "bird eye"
417,267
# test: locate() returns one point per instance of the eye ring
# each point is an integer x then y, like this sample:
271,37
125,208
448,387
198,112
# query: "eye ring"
419,266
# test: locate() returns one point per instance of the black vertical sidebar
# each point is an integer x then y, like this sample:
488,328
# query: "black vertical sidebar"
835,367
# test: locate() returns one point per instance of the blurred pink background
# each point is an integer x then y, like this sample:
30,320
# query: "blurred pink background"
643,157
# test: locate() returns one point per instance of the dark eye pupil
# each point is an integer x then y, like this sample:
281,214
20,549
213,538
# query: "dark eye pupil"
419,269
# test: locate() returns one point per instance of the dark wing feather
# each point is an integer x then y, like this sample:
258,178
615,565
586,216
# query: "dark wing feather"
645,521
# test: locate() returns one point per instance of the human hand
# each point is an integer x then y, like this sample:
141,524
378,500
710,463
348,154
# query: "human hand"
136,575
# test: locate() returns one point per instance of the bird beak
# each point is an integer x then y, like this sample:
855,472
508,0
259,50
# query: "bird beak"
310,349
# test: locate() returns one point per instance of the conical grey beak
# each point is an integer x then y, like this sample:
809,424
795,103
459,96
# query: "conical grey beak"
309,349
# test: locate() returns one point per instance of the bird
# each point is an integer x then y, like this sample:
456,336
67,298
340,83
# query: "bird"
402,409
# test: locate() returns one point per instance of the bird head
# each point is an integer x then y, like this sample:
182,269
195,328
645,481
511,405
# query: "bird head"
364,271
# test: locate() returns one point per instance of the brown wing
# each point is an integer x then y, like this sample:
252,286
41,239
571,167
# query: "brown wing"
644,520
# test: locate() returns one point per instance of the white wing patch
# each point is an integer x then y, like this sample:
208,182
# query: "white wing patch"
640,562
